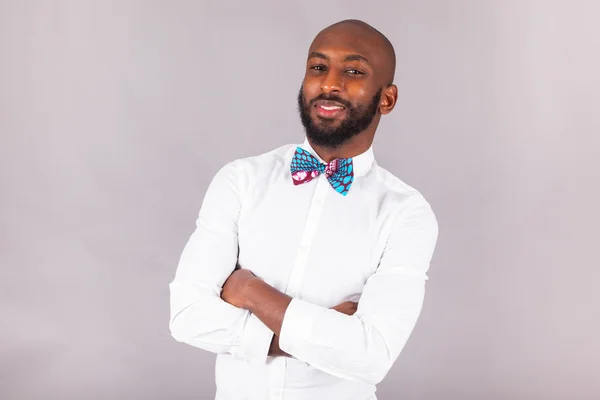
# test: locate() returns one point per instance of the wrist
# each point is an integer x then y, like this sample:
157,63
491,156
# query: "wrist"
249,293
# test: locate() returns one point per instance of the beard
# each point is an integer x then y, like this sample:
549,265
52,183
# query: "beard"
358,118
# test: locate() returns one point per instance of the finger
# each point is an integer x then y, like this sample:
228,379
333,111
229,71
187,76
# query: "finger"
344,305
338,307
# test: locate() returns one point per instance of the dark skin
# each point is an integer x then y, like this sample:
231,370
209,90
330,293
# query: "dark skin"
353,61
244,290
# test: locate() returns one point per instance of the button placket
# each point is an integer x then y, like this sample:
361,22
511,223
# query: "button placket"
310,228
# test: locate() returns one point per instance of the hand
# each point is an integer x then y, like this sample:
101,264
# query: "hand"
348,308
234,288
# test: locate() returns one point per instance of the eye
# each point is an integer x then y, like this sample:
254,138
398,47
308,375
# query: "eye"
354,72
318,68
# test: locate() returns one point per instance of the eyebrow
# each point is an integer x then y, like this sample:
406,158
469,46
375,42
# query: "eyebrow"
350,57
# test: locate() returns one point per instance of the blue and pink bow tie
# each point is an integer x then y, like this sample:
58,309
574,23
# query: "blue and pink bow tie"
339,172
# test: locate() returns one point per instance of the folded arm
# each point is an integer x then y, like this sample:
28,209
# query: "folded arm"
362,346
198,315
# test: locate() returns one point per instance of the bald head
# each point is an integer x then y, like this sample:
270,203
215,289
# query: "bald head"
358,35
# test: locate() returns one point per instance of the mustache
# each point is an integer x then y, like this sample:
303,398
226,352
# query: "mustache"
331,97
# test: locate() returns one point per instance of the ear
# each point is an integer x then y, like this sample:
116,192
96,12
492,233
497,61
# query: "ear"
389,96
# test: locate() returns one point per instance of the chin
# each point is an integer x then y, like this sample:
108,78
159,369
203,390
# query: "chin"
326,122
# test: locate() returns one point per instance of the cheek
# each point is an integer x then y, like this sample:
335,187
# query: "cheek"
357,92
360,95
310,89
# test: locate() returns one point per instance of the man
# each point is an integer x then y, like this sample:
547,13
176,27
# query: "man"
306,271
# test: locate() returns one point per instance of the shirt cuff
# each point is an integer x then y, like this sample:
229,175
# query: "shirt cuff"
256,340
297,325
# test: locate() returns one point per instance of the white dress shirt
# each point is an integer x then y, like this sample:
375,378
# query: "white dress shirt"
321,248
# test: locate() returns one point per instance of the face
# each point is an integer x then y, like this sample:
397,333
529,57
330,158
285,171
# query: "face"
342,92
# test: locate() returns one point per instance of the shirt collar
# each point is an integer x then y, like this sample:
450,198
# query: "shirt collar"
362,163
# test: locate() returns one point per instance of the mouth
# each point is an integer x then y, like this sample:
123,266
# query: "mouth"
329,109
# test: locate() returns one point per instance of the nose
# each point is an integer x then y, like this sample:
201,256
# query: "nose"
331,82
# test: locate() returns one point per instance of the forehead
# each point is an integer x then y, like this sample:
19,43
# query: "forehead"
345,39
342,41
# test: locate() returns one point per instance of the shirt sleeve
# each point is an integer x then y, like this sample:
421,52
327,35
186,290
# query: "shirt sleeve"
198,315
364,346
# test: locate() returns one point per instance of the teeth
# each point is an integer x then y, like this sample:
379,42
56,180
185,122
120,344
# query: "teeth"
328,108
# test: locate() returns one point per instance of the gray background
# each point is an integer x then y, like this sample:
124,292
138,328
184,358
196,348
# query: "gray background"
114,116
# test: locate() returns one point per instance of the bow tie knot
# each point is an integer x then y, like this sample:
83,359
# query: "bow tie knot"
339,172
331,167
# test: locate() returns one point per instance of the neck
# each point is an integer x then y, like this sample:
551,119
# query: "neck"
352,148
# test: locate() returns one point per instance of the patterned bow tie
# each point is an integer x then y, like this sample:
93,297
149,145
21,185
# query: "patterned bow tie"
339,172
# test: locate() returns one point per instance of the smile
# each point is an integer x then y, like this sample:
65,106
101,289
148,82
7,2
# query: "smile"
329,109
